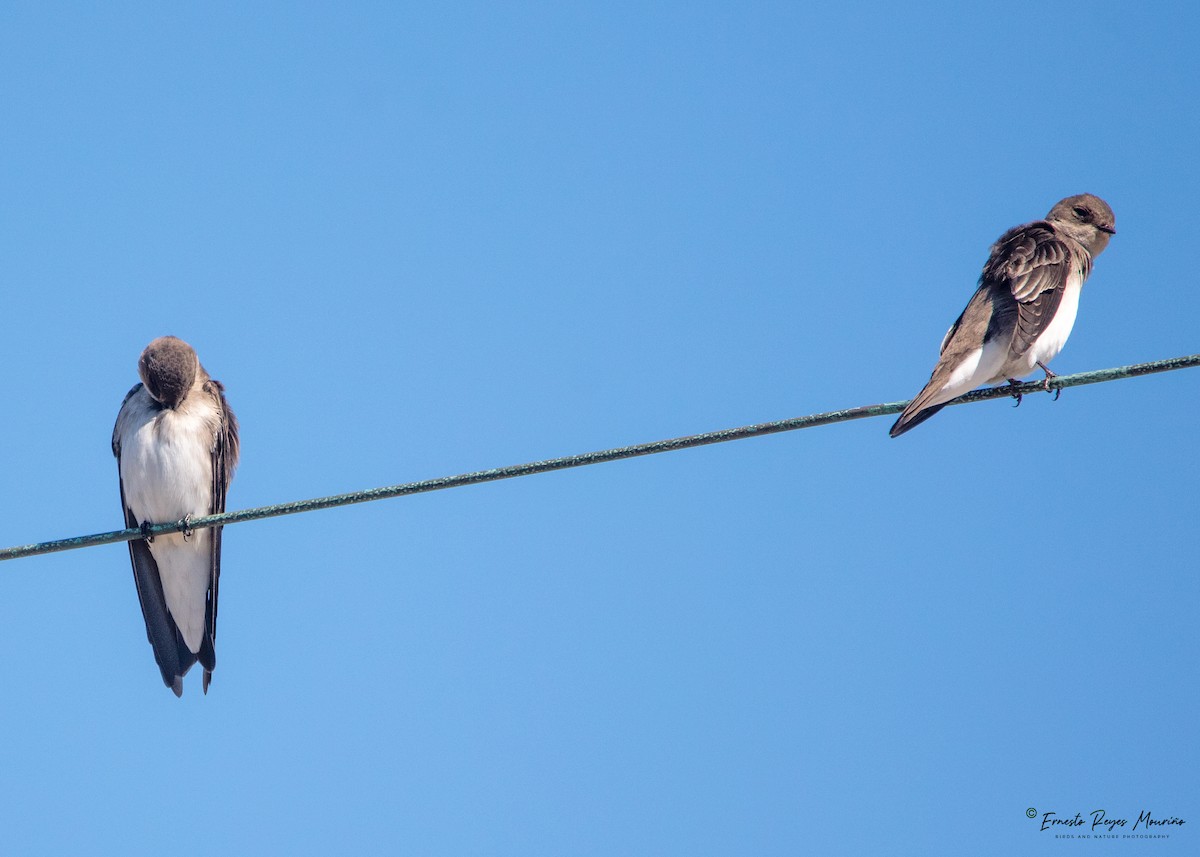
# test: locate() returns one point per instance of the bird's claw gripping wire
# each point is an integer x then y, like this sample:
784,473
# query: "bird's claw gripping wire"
1016,392
146,534
187,527
1046,380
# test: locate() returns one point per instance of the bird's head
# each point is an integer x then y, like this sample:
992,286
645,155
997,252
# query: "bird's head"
168,368
1086,218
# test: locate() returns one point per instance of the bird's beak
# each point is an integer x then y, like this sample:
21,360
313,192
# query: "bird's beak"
1107,229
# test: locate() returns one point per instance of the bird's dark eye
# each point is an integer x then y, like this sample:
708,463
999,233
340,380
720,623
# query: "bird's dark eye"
1081,213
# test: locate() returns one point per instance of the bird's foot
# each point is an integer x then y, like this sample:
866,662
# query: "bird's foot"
1016,393
146,534
187,527
1046,380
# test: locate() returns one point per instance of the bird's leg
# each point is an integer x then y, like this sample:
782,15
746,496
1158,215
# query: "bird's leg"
187,527
1046,380
1016,393
146,534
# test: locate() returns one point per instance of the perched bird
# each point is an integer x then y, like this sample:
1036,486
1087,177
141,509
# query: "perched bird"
1024,309
176,443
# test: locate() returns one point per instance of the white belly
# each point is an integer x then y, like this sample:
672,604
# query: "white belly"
976,369
166,472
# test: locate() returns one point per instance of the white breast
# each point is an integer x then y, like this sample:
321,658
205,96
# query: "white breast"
166,467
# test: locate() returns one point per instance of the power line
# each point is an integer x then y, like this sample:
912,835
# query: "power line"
721,436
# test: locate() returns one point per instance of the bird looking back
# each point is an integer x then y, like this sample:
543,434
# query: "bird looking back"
1023,311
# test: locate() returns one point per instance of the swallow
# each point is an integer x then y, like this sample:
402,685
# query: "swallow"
176,443
1024,308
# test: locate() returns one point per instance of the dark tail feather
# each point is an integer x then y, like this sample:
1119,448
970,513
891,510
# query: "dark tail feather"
208,659
911,419
173,673
208,652
170,652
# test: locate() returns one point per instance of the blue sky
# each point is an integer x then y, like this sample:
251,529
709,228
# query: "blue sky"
415,241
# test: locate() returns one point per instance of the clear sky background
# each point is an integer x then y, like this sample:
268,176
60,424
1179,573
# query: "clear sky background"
419,240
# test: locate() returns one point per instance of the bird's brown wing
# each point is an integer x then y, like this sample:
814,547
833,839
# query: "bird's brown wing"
226,446
1031,263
